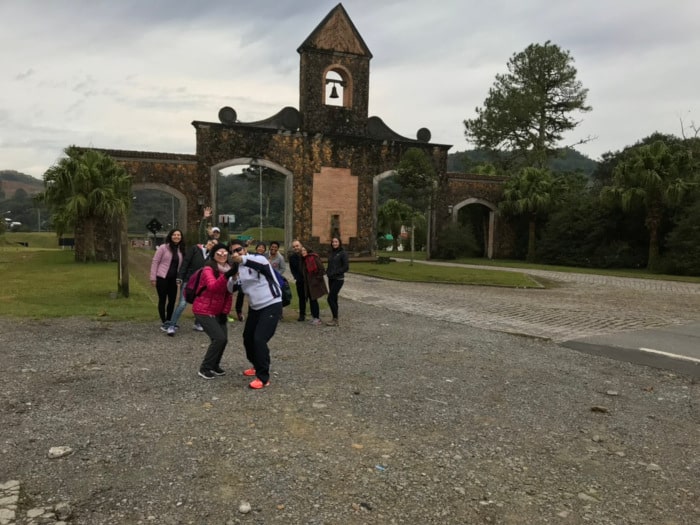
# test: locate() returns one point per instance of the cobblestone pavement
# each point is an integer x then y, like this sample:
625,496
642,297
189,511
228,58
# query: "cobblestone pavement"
579,305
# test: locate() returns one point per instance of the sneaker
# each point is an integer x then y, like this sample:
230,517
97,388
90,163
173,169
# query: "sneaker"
164,327
240,316
171,331
333,322
198,327
206,374
256,384
218,371
249,372
231,319
315,322
301,319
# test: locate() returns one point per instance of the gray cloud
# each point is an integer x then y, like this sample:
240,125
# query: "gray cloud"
132,67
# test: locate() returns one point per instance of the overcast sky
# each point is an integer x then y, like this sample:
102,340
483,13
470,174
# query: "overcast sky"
133,74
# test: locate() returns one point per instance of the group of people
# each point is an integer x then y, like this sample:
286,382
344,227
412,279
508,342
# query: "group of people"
230,269
308,271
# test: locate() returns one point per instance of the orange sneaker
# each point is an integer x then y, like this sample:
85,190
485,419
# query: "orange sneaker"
256,384
249,373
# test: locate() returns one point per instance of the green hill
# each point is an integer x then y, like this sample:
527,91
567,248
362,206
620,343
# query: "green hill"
11,181
568,161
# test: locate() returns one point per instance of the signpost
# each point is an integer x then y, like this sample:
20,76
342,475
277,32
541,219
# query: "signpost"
154,226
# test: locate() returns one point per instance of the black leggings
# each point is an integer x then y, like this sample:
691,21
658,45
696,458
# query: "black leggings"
334,286
167,289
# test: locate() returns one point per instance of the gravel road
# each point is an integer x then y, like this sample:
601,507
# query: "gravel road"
398,416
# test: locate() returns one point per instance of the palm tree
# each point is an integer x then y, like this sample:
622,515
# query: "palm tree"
654,176
530,193
84,189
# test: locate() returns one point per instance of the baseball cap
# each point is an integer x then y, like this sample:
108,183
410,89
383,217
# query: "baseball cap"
216,229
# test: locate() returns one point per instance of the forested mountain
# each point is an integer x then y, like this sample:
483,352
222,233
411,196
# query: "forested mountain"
568,161
11,181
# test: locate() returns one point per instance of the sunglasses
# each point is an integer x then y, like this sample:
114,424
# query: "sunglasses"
222,254
237,250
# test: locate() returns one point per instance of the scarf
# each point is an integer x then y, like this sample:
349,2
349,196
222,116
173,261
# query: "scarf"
310,262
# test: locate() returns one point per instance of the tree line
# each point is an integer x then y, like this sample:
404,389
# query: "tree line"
637,208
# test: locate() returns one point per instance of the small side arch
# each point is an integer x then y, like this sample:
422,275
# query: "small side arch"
493,211
375,203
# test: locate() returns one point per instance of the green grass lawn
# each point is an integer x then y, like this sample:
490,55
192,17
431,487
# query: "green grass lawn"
48,283
47,240
43,281
444,274
510,263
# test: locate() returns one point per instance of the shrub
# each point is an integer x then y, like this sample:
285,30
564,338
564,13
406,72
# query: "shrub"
456,240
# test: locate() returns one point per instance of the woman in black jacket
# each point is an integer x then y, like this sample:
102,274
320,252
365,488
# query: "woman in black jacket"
337,266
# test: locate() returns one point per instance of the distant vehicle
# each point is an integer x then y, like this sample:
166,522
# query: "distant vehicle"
15,224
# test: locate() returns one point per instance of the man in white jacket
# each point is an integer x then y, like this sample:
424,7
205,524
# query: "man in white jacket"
257,280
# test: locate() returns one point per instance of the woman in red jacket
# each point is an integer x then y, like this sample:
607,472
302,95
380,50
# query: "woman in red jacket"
314,282
211,308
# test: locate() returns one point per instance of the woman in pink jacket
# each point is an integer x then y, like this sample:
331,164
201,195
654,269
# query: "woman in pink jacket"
212,306
164,269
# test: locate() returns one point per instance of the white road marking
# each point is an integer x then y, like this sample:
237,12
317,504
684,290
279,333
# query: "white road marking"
669,354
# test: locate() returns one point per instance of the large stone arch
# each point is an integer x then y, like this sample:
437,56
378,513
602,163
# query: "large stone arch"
182,216
329,154
245,161
493,211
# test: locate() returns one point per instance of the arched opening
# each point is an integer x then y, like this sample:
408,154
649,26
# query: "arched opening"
481,216
336,88
385,186
252,198
159,202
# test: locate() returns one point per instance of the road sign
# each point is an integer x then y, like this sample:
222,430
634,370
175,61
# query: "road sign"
154,226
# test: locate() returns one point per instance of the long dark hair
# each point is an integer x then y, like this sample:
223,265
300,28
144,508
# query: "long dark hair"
174,247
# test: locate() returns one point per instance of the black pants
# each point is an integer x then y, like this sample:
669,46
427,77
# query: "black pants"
260,326
301,294
334,286
315,308
167,289
217,330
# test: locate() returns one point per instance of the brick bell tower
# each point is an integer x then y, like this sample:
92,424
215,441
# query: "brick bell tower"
334,77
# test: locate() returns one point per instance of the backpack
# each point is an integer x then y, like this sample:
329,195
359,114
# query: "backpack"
192,290
284,288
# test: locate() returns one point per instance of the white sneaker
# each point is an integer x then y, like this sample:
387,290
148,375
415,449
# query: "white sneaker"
315,322
198,327
171,331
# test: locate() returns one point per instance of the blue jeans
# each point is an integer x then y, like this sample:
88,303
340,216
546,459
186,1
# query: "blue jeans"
180,306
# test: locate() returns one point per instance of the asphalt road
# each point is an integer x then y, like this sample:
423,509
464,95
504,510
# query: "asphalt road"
648,322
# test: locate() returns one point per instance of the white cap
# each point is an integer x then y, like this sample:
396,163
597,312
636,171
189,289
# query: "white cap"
216,229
